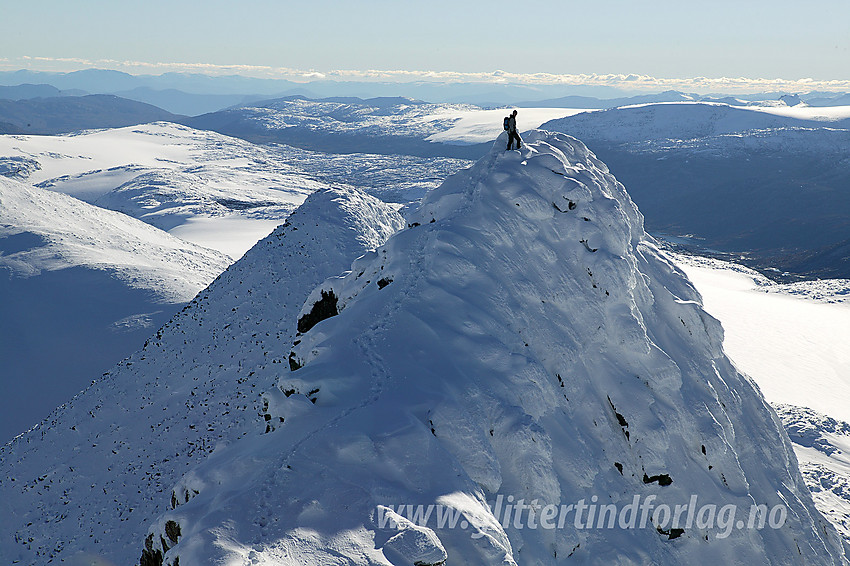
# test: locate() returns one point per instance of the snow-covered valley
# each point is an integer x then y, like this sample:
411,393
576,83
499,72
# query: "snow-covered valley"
80,288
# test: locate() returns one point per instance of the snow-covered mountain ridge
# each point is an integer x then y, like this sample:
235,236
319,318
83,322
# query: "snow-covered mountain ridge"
202,187
679,121
522,338
80,288
78,234
92,476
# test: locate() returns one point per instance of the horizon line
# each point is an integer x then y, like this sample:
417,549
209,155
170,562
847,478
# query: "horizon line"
633,81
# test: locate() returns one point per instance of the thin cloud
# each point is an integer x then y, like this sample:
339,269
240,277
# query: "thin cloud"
73,60
631,81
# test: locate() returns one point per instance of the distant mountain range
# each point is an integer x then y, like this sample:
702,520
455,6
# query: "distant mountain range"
483,94
195,94
769,189
383,125
589,102
60,114
672,153
26,91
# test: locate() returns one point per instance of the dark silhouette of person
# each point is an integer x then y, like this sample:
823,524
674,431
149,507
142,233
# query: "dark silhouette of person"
512,133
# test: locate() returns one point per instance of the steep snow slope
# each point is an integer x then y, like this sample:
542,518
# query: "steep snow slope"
92,476
75,233
520,341
80,288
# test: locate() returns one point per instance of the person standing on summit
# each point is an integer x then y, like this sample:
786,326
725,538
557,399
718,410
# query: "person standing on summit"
512,133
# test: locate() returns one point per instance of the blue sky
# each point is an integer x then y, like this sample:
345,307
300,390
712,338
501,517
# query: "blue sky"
660,39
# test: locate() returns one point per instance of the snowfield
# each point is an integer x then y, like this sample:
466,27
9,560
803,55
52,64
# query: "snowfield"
168,175
213,190
804,112
793,340
63,232
480,126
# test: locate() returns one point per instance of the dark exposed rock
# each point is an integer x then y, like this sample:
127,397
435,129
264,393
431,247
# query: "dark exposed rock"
322,309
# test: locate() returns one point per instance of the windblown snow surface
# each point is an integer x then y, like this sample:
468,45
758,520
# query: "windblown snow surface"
84,485
822,445
521,338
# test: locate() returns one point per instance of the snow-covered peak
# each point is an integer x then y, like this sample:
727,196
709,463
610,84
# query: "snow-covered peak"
519,342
